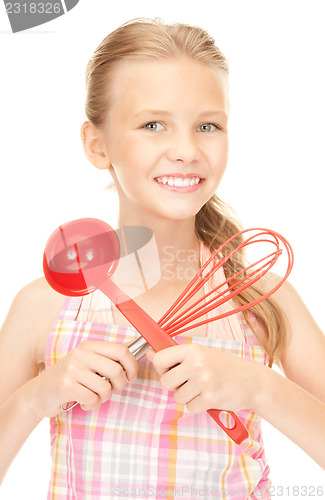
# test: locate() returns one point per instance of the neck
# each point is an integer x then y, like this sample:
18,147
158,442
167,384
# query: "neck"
176,247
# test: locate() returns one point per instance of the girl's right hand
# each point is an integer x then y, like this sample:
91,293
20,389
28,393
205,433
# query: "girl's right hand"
78,377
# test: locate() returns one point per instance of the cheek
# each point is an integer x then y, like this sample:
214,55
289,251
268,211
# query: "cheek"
132,155
130,169
219,157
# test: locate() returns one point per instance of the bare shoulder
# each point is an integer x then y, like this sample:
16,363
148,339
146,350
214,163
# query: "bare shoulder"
39,305
37,296
294,310
36,304
283,296
25,331
287,298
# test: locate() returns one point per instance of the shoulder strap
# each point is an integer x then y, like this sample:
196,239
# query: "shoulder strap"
71,308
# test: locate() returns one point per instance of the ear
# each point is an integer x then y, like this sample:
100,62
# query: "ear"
93,144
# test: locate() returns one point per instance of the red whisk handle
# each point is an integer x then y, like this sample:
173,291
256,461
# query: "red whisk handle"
156,337
238,432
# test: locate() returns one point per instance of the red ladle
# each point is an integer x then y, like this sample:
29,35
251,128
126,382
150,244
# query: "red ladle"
79,257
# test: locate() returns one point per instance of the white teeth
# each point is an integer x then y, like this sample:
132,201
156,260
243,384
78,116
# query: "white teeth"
179,181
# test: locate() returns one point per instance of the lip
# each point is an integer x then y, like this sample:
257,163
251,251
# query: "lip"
187,189
183,176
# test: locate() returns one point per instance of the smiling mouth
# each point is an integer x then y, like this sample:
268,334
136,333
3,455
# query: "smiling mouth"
179,182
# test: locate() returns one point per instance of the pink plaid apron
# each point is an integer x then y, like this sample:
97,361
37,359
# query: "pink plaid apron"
140,443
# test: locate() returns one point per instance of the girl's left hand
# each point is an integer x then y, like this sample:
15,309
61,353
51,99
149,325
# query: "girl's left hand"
205,377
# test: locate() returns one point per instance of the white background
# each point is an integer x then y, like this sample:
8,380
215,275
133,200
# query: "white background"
275,176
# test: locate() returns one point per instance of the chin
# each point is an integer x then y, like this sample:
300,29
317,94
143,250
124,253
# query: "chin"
180,214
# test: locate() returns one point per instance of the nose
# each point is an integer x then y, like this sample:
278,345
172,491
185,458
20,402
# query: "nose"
183,147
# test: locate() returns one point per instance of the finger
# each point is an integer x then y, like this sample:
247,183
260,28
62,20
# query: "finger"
112,370
199,404
186,393
87,399
115,374
119,353
175,377
167,358
96,385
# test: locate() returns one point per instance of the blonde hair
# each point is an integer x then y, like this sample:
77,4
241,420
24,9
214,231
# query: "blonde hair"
153,40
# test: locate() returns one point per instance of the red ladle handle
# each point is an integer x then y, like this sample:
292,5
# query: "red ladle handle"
158,340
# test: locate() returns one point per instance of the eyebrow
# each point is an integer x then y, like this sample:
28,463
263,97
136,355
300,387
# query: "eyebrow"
210,112
168,113
153,112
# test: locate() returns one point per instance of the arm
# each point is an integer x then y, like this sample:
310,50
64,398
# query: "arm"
303,359
295,406
294,412
17,421
300,398
20,362
27,392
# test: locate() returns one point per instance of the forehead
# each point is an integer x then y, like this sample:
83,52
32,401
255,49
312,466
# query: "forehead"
162,84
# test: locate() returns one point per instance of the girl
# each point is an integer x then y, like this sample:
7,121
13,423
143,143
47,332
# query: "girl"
157,108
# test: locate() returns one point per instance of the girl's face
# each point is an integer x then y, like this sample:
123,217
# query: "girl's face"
166,137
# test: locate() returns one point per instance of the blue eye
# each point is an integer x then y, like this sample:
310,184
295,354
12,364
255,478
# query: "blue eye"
208,127
154,126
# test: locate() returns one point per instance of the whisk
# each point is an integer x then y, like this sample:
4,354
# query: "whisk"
179,318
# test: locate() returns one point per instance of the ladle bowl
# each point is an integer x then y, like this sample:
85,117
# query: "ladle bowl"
79,255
